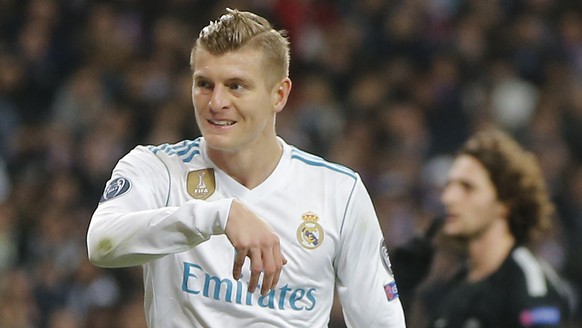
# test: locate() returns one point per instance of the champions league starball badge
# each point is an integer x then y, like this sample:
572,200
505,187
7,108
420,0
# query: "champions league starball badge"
115,188
385,257
310,233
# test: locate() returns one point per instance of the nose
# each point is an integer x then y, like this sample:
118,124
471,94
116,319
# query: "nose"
219,99
447,195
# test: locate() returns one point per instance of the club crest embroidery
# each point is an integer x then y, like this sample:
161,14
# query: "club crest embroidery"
310,233
201,183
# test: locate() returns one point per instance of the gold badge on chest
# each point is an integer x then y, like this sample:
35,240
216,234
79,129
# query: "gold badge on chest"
310,233
201,183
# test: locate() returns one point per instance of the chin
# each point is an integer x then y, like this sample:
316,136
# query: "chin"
218,141
452,231
219,146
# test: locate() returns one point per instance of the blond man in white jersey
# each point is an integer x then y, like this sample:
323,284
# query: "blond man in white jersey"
191,213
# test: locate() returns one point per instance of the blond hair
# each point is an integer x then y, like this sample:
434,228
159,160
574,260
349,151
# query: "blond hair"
238,29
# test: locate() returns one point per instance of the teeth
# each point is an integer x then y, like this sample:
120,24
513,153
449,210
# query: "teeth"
222,123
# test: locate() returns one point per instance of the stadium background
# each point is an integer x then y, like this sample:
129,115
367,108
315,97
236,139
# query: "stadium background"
388,87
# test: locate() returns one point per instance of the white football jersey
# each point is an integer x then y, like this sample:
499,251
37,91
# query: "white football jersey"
165,208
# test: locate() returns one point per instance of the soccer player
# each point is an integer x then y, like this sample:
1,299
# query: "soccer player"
190,213
497,207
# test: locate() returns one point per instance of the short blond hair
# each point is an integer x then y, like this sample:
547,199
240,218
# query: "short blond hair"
238,29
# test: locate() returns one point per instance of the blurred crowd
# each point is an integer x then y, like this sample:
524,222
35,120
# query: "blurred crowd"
390,88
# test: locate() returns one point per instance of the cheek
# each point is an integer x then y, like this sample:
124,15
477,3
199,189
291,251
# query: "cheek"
472,215
200,103
481,216
196,97
198,107
254,109
194,93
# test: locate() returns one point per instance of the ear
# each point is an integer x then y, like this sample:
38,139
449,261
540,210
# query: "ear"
503,210
281,94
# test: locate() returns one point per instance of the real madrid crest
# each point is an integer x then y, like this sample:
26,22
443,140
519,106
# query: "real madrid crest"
310,233
201,183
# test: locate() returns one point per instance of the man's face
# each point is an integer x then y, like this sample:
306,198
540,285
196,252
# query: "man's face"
470,199
234,105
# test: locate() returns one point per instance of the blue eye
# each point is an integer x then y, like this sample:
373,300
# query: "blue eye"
236,86
203,84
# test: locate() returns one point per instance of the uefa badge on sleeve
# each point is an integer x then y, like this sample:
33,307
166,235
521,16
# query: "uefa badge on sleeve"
115,188
391,291
385,257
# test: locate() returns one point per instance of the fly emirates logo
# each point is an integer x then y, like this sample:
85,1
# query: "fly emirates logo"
198,282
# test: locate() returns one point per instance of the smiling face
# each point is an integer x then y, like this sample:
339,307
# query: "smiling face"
235,105
470,200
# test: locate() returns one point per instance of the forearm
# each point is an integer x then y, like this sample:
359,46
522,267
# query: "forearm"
118,238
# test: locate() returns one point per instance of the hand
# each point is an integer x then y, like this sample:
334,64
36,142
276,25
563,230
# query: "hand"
254,238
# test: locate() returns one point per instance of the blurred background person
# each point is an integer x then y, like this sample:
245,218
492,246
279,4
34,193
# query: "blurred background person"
496,211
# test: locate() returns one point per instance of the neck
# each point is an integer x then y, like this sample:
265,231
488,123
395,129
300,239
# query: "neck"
250,167
488,251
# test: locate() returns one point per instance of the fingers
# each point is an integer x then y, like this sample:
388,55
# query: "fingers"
278,262
239,260
254,238
256,268
269,271
268,262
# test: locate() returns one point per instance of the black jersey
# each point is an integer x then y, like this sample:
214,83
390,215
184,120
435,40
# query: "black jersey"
523,292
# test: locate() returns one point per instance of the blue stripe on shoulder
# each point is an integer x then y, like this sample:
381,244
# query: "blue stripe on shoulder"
186,149
313,160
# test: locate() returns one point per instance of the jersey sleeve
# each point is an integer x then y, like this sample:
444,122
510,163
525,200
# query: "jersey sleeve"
133,225
542,299
365,283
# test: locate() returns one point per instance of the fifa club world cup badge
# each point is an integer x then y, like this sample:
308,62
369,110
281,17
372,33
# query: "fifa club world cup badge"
310,233
201,183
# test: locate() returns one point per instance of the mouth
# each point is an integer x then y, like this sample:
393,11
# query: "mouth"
450,217
221,123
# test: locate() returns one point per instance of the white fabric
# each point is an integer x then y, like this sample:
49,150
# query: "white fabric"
535,277
187,259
